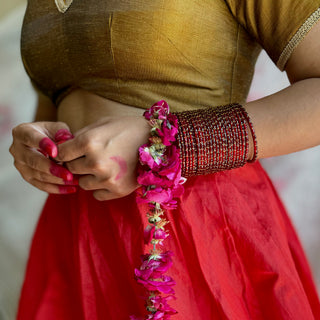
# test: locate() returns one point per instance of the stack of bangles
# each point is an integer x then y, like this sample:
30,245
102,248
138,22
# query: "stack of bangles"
181,144
214,139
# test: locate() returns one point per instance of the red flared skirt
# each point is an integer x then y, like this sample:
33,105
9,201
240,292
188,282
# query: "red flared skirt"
237,256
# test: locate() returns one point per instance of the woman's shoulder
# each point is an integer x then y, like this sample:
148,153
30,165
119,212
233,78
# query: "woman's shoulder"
279,26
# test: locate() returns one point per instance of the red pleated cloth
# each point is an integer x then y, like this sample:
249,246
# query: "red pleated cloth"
237,256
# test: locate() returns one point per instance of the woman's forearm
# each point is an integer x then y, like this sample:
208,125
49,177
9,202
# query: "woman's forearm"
46,110
287,121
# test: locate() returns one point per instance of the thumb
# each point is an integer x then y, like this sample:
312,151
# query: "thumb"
70,150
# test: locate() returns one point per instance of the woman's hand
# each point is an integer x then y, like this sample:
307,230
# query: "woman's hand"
34,147
106,153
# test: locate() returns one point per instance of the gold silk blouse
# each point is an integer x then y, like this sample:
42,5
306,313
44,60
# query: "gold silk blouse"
192,53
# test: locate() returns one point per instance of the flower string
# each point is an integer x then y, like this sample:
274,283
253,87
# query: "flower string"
159,175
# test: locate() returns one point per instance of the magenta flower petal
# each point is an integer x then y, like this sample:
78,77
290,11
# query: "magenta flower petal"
148,178
158,315
167,134
146,157
159,195
159,110
143,274
160,234
148,233
163,284
172,169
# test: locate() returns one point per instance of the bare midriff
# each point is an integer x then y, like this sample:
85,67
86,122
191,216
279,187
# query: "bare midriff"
81,108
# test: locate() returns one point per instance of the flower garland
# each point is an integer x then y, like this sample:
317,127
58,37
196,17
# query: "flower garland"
159,175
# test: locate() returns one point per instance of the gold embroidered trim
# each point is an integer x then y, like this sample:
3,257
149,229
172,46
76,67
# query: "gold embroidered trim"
296,39
63,5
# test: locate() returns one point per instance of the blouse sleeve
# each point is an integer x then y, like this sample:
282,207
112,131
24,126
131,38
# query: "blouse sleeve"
278,25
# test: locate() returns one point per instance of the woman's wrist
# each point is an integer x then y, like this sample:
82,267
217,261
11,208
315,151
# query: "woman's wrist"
215,139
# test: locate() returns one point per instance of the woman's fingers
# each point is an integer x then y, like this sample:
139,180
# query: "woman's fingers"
60,171
105,189
29,173
80,166
73,149
39,135
35,160
107,152
47,182
53,188
33,146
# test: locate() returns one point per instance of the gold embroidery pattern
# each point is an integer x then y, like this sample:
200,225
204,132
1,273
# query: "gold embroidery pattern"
63,5
296,39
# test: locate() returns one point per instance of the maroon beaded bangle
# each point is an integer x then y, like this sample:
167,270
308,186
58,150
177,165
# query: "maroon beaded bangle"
214,139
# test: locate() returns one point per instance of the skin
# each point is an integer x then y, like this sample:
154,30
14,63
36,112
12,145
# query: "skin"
34,154
100,149
284,122
123,168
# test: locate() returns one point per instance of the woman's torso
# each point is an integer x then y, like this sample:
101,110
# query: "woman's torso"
73,109
192,53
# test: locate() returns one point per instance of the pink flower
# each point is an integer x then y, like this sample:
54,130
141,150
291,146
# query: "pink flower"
163,284
173,120
153,196
158,315
166,260
159,110
148,233
153,267
160,234
167,133
156,195
148,178
159,195
172,168
160,303
146,157
159,263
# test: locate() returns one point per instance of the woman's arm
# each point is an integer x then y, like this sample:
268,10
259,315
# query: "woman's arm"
46,110
284,122
288,121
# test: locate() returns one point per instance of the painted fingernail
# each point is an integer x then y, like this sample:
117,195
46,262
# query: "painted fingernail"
61,172
48,146
62,135
67,190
